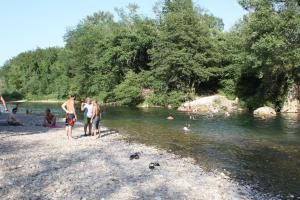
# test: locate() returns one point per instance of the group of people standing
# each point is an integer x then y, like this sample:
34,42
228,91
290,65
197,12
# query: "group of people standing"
92,116
90,108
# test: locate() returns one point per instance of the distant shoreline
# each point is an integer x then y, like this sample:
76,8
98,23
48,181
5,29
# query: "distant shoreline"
37,101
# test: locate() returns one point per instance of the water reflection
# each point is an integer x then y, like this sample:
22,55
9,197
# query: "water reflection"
290,123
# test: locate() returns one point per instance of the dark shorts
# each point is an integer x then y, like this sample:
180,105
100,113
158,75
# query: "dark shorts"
70,119
96,122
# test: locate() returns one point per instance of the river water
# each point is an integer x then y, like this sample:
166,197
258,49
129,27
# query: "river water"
263,153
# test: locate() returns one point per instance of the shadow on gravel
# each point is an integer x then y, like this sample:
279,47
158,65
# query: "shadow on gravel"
32,126
10,131
109,132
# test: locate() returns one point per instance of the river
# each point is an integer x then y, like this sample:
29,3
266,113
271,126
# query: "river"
263,153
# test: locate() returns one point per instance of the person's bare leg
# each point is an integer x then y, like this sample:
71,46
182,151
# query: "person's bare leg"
93,131
98,132
70,131
85,128
54,122
67,130
90,129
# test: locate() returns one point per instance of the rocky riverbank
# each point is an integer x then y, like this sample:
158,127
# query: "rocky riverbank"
210,104
40,163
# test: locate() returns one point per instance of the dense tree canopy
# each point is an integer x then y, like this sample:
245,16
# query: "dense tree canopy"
183,52
270,53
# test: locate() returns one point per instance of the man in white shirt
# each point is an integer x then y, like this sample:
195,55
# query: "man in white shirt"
87,108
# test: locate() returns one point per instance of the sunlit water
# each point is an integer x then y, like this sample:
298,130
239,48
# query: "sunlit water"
263,153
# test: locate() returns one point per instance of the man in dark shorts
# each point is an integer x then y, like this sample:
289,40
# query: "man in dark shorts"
96,117
69,108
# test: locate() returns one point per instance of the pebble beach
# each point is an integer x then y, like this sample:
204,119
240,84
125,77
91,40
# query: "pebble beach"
40,163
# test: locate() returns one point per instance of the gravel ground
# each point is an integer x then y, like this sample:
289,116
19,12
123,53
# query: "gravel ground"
40,163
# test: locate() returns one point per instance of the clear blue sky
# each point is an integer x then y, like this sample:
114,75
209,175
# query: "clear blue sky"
28,24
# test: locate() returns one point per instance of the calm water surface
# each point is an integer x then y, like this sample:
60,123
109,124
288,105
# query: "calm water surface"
264,153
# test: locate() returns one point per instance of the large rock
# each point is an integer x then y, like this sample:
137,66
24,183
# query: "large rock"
292,103
265,112
210,104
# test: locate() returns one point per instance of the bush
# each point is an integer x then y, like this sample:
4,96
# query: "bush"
173,98
11,96
129,92
228,88
157,99
176,98
102,96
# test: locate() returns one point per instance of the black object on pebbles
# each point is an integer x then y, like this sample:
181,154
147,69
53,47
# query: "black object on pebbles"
153,165
135,155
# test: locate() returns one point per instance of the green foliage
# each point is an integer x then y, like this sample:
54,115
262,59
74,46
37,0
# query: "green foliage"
173,98
12,96
228,87
270,52
129,92
32,72
102,96
183,51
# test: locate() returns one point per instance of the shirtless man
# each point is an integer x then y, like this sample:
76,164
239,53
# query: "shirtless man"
12,119
71,117
96,117
4,104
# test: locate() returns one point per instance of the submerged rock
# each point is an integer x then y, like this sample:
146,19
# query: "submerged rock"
292,102
265,112
209,104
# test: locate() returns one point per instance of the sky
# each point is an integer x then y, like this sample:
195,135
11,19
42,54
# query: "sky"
28,24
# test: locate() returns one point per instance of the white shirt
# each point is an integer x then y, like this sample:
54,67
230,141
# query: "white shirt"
88,110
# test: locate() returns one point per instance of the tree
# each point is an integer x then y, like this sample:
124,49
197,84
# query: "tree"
185,52
129,92
30,72
271,50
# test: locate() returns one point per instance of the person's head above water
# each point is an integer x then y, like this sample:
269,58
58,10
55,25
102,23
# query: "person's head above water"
48,111
14,110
